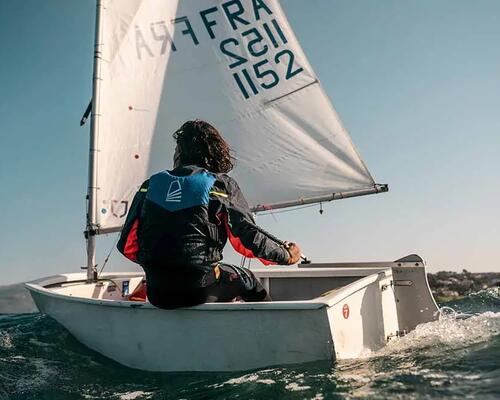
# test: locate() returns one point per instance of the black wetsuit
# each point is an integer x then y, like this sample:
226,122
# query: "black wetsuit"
177,226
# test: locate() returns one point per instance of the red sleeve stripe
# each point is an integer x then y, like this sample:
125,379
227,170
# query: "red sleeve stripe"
132,245
239,246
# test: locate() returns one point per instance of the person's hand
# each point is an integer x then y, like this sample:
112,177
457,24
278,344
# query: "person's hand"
294,252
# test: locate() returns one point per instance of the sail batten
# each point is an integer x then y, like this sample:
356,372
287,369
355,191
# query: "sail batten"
236,64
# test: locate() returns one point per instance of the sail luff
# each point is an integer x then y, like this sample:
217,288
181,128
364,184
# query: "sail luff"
93,151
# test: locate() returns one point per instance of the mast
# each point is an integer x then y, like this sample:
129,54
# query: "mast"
92,225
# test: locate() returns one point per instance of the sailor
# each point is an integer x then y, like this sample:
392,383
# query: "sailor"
180,220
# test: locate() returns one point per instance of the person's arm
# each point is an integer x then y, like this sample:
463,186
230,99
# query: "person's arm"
245,236
128,243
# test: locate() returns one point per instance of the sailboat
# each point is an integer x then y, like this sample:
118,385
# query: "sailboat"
238,65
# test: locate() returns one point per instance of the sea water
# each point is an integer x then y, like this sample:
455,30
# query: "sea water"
455,357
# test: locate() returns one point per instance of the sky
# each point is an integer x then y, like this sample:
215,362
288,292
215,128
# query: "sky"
416,83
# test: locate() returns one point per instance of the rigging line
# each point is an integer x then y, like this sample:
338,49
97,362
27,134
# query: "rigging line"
109,254
270,212
273,212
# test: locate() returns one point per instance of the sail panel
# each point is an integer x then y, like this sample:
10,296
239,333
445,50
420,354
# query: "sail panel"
235,64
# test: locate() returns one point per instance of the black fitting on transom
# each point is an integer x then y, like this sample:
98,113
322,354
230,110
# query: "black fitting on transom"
90,232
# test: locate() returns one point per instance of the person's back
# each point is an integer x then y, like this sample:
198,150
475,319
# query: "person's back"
181,219
175,219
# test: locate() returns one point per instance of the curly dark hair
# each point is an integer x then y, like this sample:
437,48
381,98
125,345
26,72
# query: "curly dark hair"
199,143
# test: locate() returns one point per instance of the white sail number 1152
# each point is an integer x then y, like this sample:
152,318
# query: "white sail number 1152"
261,74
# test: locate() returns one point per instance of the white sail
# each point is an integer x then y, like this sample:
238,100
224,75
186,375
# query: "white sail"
233,63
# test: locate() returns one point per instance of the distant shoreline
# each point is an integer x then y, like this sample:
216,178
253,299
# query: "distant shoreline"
449,285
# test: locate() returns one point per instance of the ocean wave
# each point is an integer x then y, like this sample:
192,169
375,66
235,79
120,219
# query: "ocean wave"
446,358
456,330
138,394
478,302
247,378
457,353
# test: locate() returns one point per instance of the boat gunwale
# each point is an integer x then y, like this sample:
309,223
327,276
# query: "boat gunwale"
320,272
41,287
264,306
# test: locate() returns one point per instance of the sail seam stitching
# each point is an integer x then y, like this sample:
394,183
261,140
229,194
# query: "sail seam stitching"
292,92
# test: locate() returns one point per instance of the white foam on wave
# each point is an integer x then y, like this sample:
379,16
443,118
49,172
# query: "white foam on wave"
266,381
248,378
452,331
295,387
13,359
243,379
294,382
433,340
6,340
44,371
492,292
134,395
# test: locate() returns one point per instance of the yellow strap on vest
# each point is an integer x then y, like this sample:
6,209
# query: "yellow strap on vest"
218,193
217,272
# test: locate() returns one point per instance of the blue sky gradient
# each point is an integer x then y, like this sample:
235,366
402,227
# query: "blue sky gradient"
416,83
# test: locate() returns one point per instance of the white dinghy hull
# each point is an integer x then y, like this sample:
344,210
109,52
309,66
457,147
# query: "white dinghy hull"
365,308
